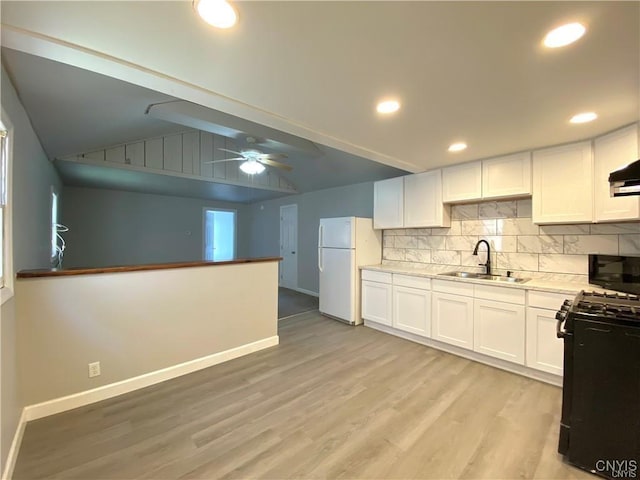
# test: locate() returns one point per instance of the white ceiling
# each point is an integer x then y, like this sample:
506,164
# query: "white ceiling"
472,71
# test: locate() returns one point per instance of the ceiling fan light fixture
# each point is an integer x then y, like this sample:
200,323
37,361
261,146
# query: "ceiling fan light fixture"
252,167
217,13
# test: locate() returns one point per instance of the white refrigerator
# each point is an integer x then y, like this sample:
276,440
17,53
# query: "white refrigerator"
345,244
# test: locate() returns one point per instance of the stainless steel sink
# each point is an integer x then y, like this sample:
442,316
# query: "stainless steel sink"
482,276
461,274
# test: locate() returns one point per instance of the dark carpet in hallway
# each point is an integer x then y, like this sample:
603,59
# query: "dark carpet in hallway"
291,302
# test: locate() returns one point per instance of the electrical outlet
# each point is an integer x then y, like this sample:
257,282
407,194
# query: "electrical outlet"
94,369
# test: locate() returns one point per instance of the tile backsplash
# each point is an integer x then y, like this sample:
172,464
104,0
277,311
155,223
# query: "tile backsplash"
558,252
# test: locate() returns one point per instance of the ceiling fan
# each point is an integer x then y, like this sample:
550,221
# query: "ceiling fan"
254,161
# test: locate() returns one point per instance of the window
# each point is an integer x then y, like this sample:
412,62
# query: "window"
219,235
6,253
54,225
4,153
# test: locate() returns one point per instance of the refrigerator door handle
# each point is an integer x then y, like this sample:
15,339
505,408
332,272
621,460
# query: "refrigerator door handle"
320,247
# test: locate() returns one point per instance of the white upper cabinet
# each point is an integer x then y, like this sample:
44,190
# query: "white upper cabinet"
563,184
388,203
423,205
611,152
507,176
462,183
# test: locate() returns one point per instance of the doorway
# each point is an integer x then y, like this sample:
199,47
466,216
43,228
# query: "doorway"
289,246
219,234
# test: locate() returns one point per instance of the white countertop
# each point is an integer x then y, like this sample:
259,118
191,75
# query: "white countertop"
570,288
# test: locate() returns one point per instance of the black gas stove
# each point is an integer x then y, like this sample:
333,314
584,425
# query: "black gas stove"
618,307
600,425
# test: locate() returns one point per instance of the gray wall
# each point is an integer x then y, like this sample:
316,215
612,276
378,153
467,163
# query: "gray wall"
33,176
112,227
352,200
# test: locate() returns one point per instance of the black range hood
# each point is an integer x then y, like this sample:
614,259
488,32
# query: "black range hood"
626,180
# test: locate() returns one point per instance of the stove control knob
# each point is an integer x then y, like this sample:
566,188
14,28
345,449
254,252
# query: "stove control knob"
567,303
560,316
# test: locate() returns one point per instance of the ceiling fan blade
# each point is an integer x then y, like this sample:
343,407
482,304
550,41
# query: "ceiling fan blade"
271,163
230,151
225,160
271,156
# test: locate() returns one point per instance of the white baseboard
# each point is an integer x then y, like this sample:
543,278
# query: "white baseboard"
12,456
307,292
470,355
62,404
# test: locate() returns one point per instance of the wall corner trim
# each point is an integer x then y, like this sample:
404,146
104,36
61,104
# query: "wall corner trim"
69,402
12,456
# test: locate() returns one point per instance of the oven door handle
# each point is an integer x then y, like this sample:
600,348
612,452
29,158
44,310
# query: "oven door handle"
560,317
559,332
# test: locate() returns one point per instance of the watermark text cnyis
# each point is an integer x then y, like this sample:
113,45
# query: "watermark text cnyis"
618,468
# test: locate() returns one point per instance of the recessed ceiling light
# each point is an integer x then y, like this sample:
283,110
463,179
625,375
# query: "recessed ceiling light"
388,106
218,13
457,147
564,35
583,117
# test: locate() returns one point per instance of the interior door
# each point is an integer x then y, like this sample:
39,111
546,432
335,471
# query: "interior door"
289,246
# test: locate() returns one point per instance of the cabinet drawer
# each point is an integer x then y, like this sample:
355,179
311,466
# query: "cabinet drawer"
455,288
382,277
500,294
550,301
411,281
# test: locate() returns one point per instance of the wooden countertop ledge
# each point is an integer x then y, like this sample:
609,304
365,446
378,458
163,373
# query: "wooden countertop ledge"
54,272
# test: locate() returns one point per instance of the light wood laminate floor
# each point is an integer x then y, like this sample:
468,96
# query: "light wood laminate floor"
331,401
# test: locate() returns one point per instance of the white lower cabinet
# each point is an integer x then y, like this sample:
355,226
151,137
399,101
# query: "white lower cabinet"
544,349
412,310
376,302
452,319
500,322
498,330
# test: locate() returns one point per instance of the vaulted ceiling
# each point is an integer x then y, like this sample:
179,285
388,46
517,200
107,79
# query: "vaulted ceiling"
463,71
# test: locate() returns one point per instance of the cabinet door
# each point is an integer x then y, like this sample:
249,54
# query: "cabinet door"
507,176
388,203
412,310
462,182
612,152
563,184
423,205
452,319
498,330
376,302
544,350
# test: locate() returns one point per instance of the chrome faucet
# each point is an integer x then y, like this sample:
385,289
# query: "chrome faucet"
488,264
